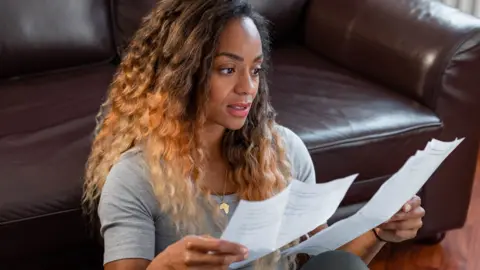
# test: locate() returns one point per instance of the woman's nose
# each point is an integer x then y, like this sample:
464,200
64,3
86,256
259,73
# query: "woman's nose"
246,85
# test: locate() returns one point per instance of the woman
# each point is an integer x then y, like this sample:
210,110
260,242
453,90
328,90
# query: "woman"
187,132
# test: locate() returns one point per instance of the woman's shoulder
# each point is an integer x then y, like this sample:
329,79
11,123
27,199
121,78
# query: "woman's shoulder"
131,163
128,179
127,210
298,155
291,140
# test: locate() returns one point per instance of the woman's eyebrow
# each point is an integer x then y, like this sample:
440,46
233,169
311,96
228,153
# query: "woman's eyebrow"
237,57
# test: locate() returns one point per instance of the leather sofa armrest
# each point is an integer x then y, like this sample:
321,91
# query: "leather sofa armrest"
424,50
408,45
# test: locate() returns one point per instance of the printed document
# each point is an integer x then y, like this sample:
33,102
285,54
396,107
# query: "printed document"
266,226
386,202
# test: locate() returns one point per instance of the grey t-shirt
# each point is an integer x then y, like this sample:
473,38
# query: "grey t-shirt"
132,223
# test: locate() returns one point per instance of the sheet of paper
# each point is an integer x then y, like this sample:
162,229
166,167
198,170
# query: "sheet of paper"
334,236
256,224
387,201
298,210
310,206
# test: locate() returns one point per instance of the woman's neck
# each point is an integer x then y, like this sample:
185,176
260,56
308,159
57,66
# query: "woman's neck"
211,137
216,166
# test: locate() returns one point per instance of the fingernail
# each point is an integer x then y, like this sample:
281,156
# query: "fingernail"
407,208
244,250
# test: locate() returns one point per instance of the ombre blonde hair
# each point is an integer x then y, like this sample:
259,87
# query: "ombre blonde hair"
157,102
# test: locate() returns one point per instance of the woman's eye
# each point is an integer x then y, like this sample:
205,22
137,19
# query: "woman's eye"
257,71
227,71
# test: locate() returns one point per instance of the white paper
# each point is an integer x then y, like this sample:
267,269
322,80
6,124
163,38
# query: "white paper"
266,226
310,206
386,202
256,224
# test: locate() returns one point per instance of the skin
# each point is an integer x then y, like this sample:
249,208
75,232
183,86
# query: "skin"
403,226
235,77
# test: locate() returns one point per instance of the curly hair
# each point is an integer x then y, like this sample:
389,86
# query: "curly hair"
157,101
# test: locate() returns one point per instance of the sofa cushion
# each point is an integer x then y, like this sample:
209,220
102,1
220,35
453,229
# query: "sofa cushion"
42,35
349,124
45,138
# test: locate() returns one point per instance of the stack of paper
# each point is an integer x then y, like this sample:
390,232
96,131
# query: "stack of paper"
268,225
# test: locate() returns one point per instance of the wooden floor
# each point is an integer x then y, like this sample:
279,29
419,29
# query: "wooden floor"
460,250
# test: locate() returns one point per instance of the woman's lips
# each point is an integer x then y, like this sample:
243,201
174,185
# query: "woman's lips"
239,109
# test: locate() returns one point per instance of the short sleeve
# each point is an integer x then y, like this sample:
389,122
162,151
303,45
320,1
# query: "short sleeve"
126,215
299,157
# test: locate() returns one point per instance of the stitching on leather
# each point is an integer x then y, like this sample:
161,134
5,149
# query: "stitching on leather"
39,216
386,135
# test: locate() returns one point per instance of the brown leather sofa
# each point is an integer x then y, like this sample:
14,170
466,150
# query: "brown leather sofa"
364,83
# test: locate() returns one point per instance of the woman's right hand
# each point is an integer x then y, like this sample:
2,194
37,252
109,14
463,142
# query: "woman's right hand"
199,252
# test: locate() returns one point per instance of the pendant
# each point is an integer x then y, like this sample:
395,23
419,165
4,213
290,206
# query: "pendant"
225,207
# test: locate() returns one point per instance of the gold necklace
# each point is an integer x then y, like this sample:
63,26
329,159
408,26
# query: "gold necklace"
223,205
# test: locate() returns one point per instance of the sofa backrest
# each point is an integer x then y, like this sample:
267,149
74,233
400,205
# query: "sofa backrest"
38,36
283,14
127,17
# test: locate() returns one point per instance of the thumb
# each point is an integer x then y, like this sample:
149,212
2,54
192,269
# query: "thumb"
406,208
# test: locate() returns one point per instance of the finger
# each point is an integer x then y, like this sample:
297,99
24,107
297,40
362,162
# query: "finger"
232,249
415,201
406,207
196,258
201,243
207,236
214,245
418,212
408,224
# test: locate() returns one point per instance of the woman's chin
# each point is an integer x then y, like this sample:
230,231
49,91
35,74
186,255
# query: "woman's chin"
235,124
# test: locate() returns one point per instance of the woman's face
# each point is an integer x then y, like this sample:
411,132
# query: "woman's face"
234,79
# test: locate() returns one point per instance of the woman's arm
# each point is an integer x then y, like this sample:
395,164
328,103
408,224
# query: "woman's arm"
126,215
401,227
365,246
190,252
128,264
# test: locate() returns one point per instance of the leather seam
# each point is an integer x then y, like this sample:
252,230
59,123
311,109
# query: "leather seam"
60,71
39,216
386,135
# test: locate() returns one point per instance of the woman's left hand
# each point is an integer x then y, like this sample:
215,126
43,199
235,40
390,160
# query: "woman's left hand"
405,224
